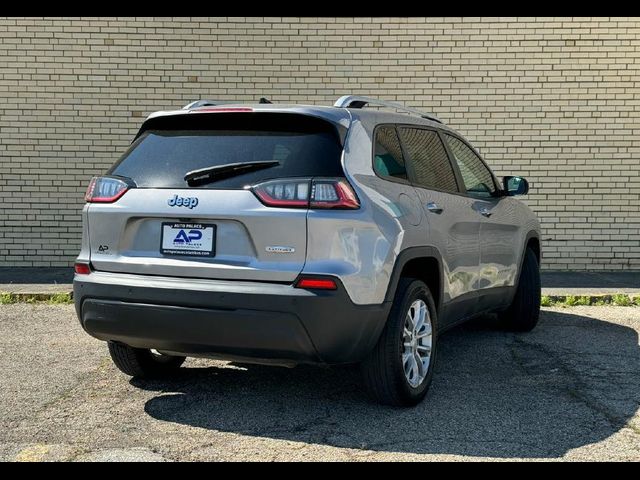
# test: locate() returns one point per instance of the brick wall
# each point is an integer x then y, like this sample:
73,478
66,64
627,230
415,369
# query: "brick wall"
554,99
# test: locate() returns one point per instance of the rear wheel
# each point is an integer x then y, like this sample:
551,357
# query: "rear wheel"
524,312
143,363
398,371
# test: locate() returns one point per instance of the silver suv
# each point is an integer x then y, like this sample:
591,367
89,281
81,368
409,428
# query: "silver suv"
282,235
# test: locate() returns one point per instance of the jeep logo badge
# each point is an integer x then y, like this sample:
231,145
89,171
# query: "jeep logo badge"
189,202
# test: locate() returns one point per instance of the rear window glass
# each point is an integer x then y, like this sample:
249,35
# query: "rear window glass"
174,146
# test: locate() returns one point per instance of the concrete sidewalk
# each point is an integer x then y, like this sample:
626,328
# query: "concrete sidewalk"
42,281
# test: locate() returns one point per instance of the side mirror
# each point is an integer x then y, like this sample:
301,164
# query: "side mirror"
513,186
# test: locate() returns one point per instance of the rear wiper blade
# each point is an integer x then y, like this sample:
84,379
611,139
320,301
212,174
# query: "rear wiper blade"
220,172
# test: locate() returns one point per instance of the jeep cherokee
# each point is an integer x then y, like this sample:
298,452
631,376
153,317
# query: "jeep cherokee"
279,234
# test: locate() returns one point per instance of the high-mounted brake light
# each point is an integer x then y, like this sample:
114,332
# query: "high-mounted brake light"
222,110
105,190
325,193
317,284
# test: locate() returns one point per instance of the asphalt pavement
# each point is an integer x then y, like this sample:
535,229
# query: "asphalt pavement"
569,390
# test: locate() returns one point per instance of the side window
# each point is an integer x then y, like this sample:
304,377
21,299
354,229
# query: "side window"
429,159
388,160
477,178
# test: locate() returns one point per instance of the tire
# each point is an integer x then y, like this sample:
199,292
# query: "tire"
143,363
384,369
524,312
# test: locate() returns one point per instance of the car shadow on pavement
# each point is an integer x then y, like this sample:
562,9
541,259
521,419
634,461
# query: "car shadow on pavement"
572,382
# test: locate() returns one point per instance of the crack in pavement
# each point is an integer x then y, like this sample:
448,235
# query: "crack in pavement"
580,387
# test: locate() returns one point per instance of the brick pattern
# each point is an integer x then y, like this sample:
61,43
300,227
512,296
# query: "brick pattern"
554,99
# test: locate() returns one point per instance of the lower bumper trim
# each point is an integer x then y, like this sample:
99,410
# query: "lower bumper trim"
201,331
289,327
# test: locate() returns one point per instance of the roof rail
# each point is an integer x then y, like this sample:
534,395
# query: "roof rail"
355,101
215,103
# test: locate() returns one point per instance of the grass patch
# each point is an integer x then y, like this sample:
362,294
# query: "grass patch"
7,299
622,300
60,299
40,298
577,301
617,300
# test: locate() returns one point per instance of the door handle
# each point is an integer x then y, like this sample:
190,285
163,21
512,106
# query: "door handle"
434,208
485,212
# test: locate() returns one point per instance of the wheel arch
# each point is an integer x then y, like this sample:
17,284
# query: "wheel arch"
421,263
532,240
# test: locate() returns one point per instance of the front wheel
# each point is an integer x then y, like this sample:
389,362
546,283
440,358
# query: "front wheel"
398,371
143,363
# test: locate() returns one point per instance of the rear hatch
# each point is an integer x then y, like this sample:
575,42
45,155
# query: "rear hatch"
214,225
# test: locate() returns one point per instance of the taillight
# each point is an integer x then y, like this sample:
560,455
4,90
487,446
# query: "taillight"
284,193
333,194
82,268
325,193
106,189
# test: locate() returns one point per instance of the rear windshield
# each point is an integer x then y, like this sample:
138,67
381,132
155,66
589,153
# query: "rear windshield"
174,146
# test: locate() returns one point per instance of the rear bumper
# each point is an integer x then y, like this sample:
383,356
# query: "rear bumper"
263,322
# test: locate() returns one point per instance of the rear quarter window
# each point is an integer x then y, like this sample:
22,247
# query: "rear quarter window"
173,146
388,160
